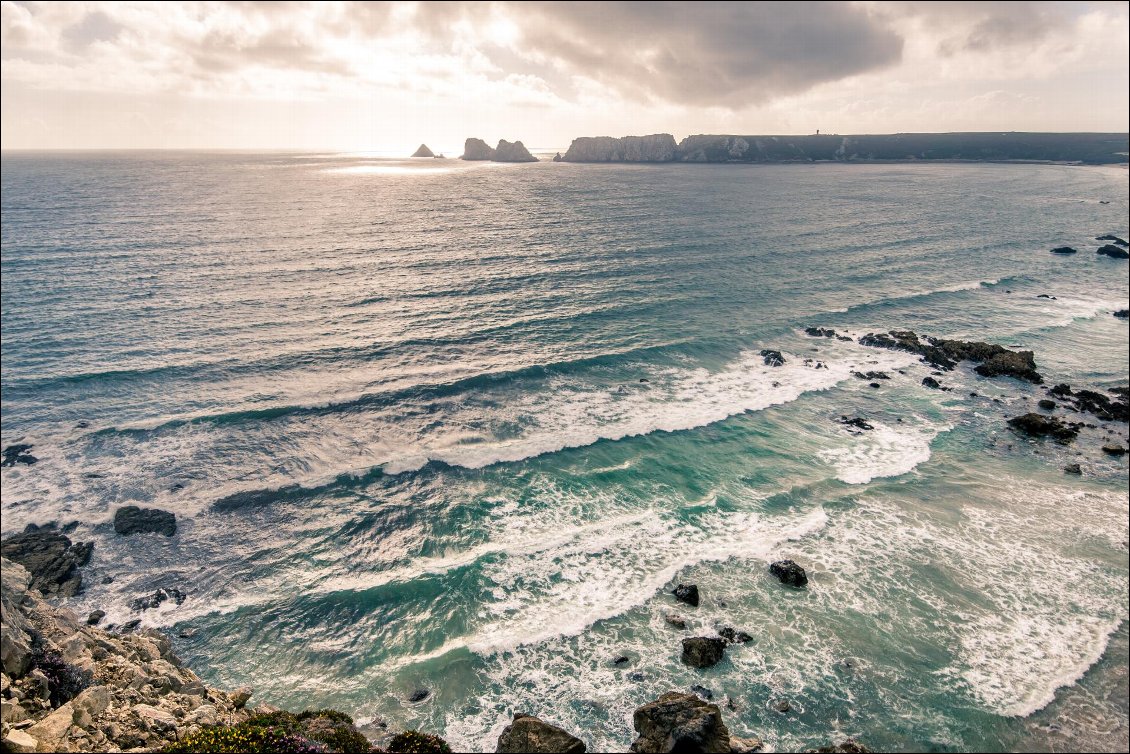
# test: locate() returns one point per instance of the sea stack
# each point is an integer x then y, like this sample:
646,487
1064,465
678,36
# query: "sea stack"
476,149
423,151
516,152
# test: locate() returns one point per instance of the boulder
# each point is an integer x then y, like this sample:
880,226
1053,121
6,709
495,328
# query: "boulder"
1064,250
675,621
1018,364
50,558
932,383
418,695
1047,405
733,636
240,696
772,358
1112,251
155,719
819,332
20,742
856,422
1037,425
1114,449
530,734
423,151
51,731
516,152
1072,468
745,745
789,573
678,722
477,149
703,651
687,593
95,617
130,519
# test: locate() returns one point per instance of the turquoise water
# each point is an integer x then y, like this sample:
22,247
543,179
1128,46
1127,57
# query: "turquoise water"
463,427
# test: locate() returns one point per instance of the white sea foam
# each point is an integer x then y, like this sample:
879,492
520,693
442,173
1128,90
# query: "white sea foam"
884,451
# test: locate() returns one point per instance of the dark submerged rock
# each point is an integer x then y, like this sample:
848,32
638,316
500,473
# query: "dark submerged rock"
789,573
1047,405
857,422
819,332
1072,468
772,358
1064,250
1112,251
530,734
133,520
418,695
677,722
994,360
158,598
1122,313
1037,425
18,453
687,593
932,383
703,651
733,636
1110,237
51,559
702,691
871,375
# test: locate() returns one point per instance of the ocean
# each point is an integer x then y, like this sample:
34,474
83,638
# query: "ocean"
462,428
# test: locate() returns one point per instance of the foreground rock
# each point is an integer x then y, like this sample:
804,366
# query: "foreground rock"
1114,252
1038,425
940,353
529,734
51,560
789,573
703,651
133,520
677,722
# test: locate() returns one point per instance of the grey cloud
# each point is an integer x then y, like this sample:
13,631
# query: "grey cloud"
728,53
984,26
94,27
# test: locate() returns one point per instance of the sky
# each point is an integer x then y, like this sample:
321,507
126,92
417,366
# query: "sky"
389,76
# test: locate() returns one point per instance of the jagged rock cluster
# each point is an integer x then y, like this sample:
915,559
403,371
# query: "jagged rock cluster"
68,686
477,149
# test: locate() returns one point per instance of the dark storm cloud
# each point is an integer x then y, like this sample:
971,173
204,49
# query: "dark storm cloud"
729,53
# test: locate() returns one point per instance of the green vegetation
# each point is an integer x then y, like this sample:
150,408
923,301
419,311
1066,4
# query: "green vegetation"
414,742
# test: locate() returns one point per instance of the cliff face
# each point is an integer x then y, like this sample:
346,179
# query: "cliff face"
1049,147
516,152
653,148
476,149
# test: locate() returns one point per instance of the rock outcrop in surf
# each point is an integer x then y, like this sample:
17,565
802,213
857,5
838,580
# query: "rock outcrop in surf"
940,353
423,151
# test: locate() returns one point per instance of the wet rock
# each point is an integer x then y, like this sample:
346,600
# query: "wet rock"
158,598
772,358
1020,365
782,706
530,734
18,453
744,745
1122,313
1064,250
702,691
703,651
50,558
636,676
789,573
1044,295
994,360
1112,251
687,593
95,617
1072,468
1047,405
1037,425
1113,449
856,422
733,636
871,375
875,384
678,722
676,621
819,332
621,660
129,626
419,695
1109,237
131,519
1101,406
931,382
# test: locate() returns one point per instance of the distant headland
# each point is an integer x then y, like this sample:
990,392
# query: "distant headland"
1084,148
